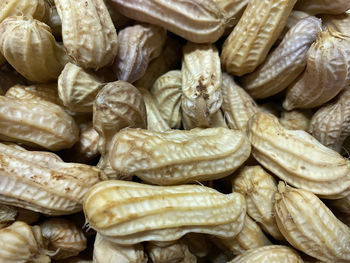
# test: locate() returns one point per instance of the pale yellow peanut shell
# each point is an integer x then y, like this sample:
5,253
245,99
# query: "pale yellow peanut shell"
167,91
139,44
8,214
129,213
309,226
88,33
314,7
176,156
330,125
262,22
42,182
155,121
296,119
271,254
237,105
259,188
285,63
20,242
38,9
197,21
77,88
233,9
339,23
298,158
294,17
29,46
64,237
39,123
327,72
201,82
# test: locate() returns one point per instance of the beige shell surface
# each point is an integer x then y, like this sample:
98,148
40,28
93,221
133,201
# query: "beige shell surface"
259,188
201,82
314,7
233,10
296,119
237,105
197,21
42,182
331,123
176,156
29,46
262,22
77,88
63,235
285,63
339,23
88,33
298,158
138,46
129,212
310,226
327,72
8,214
167,91
273,253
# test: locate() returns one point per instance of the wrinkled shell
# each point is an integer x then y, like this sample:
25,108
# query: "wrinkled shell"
8,214
296,119
233,10
29,46
176,156
216,120
339,23
42,182
201,82
285,63
167,91
262,22
259,188
309,226
331,123
314,7
271,254
327,72
129,212
237,105
197,21
139,45
22,243
88,32
77,88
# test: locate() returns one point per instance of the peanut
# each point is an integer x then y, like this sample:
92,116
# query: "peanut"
314,7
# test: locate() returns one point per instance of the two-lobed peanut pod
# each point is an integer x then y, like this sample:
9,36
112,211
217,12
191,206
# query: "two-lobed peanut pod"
298,158
176,156
309,226
129,213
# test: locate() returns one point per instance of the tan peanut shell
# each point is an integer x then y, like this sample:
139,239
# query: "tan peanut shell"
88,33
298,158
174,252
331,123
314,7
285,63
262,22
273,253
309,226
8,215
197,21
293,18
237,105
259,188
201,82
339,23
63,235
42,182
139,44
106,251
327,72
250,237
155,121
233,9
39,123
77,88
29,46
38,9
296,119
129,212
176,156
215,120
167,91
20,242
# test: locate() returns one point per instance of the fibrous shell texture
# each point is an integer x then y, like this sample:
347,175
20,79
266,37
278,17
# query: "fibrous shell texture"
314,7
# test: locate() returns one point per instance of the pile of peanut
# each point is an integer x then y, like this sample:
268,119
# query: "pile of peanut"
170,131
